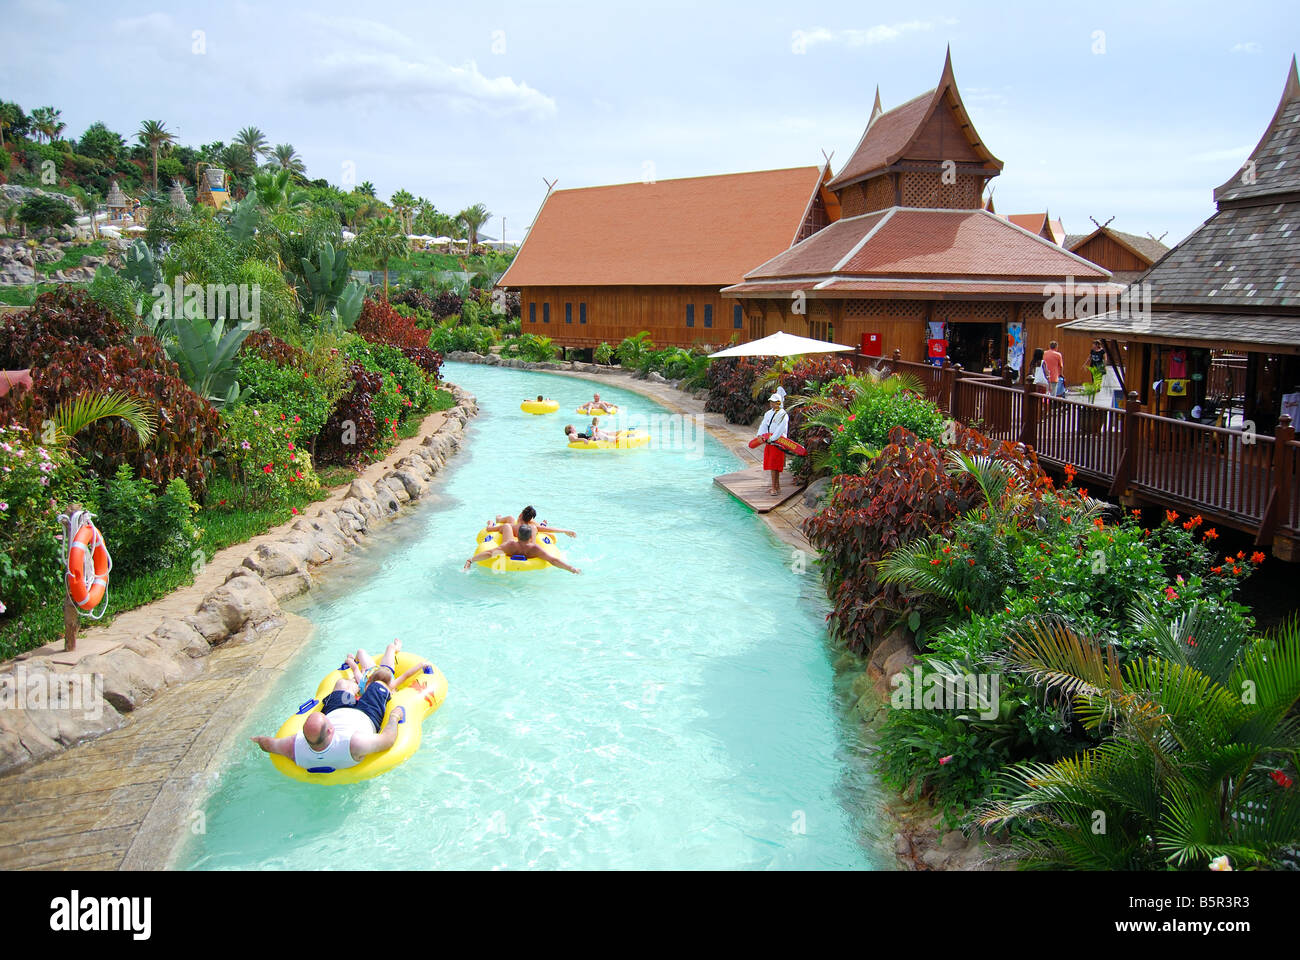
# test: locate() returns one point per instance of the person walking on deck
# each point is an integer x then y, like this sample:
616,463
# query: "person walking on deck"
1054,369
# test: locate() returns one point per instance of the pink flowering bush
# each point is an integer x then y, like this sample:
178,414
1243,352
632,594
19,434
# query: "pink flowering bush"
35,481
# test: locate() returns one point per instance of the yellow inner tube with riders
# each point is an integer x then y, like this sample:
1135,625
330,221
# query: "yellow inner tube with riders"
587,411
623,440
540,406
487,539
419,697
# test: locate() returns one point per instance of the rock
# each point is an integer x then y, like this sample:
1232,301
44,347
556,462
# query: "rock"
328,542
177,637
129,679
289,586
278,559
239,601
21,741
815,491
415,486
898,662
362,489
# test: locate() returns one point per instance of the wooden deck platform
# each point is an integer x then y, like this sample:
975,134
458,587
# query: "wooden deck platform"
751,486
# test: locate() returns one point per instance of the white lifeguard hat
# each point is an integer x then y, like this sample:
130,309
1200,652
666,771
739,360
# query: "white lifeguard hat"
779,395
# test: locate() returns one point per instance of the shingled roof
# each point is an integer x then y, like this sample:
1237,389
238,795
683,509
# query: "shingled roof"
1274,165
920,250
1148,248
1236,278
697,230
890,137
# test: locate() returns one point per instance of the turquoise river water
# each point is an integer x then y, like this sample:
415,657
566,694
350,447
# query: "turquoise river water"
675,706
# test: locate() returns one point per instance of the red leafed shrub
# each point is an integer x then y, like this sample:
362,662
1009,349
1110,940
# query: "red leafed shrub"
430,361
416,299
189,429
447,304
731,386
351,430
907,495
380,323
807,377
57,319
274,349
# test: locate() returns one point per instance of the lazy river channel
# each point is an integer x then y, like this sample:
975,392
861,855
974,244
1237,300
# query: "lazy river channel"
675,706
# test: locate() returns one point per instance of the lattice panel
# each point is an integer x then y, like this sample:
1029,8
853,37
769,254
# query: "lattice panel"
880,193
852,201
976,310
924,189
893,309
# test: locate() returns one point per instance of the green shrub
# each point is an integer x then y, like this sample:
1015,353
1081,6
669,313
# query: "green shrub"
856,415
633,348
530,347
265,455
36,483
297,395
145,530
477,338
413,387
603,354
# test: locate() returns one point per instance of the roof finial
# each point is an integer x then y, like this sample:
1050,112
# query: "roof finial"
947,65
876,108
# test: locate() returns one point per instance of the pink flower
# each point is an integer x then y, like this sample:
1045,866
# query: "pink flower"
246,445
297,419
840,428
45,481
944,761
852,417
256,414
291,447
294,511
1171,593
2,607
4,505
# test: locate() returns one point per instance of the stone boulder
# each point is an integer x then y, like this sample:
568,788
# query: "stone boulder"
240,601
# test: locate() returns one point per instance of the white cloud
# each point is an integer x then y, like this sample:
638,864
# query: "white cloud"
1248,47
881,33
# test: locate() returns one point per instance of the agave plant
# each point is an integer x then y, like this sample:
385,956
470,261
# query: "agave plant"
205,352
323,281
1198,764
139,267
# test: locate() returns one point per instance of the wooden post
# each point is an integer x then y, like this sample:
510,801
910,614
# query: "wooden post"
1029,413
1278,508
1128,455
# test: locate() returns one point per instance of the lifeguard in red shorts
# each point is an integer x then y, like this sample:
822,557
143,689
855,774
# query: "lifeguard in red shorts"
775,425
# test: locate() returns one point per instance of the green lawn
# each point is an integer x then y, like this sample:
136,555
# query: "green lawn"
72,258
25,295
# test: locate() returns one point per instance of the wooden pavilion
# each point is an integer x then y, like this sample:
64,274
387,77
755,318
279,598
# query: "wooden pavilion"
1126,255
604,263
916,262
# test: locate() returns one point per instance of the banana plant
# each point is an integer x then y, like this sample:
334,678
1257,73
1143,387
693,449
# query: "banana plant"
205,352
243,220
324,281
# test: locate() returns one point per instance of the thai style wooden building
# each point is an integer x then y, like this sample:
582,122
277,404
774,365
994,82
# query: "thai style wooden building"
915,261
1126,255
1039,224
1232,285
604,263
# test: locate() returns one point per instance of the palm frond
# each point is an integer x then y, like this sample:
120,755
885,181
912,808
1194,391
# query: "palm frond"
73,416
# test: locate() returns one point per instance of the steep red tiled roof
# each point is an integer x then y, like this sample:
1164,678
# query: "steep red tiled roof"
884,138
906,242
1033,222
699,230
889,136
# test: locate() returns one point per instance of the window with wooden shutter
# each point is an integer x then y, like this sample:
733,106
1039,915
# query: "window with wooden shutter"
690,314
708,315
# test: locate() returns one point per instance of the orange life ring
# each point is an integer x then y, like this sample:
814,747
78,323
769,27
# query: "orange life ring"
88,566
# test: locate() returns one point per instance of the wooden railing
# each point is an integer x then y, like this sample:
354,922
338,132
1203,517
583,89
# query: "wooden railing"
1250,481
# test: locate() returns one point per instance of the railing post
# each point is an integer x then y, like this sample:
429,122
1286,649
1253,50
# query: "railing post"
1029,414
1128,456
1278,510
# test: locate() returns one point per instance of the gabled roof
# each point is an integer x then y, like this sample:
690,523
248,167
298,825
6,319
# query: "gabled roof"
893,136
920,249
1274,164
1145,248
697,230
1035,223
1057,230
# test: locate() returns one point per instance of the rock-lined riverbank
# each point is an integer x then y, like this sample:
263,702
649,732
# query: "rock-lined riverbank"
246,605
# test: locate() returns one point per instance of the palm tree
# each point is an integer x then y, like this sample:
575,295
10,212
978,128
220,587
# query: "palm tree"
47,123
254,141
382,241
473,218
153,135
285,157
1192,767
366,189
404,206
8,117
73,416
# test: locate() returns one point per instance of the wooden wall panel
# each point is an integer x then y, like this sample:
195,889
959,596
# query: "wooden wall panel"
614,313
1105,252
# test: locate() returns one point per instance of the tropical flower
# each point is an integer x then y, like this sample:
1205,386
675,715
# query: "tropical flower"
944,761
1257,557
1171,593
1281,779
4,505
1211,534
1171,516
2,607
267,468
1221,863
246,445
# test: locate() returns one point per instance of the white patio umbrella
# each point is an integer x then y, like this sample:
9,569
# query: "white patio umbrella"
781,344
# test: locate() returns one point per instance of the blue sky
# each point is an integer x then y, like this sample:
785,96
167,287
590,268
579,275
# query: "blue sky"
1134,110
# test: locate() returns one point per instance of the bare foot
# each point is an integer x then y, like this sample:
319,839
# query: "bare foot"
467,564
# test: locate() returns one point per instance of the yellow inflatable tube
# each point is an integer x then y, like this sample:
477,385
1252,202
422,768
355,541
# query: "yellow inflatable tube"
540,406
420,696
587,412
487,539
623,440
